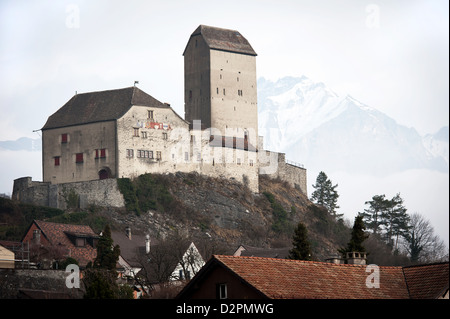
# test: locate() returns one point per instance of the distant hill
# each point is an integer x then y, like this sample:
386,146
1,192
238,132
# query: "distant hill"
22,144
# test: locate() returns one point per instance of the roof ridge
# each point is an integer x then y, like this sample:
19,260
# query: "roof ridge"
306,261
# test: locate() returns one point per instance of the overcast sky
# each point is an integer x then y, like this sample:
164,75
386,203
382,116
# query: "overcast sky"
392,55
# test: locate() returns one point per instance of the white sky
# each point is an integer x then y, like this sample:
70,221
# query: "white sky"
392,55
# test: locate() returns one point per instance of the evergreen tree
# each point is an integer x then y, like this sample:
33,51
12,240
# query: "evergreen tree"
396,221
373,216
301,247
357,238
100,280
107,254
325,194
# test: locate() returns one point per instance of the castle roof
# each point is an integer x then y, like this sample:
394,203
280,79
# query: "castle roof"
224,40
100,106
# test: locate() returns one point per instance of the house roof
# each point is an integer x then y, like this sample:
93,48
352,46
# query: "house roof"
59,234
132,249
427,281
100,106
295,279
224,40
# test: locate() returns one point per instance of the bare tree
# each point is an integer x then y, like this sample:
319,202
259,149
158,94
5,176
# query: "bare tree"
421,243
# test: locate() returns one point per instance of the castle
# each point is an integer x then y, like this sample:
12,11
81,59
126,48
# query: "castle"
97,137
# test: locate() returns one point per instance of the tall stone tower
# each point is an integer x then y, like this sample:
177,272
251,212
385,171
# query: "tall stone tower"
220,82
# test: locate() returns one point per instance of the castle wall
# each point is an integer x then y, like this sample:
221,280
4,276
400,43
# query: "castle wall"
292,173
233,93
78,194
95,145
180,149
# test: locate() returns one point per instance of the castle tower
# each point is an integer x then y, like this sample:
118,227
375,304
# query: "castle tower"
220,82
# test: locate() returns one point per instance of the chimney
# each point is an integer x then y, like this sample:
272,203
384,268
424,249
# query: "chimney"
356,258
147,244
37,236
128,232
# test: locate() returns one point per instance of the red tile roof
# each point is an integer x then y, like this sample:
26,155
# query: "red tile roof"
427,281
59,234
283,278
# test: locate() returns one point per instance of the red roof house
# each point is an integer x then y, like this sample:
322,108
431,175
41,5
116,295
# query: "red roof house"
76,241
273,278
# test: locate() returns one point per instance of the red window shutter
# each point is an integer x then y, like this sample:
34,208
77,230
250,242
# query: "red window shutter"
64,138
79,158
56,160
103,152
96,153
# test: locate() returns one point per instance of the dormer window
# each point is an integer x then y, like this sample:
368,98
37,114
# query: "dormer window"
80,242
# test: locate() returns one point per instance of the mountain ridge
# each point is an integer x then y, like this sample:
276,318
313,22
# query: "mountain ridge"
311,123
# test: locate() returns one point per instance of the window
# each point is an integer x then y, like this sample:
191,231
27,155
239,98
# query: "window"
158,155
136,132
100,153
144,134
223,91
64,138
221,291
217,90
57,158
190,95
164,136
144,154
79,158
186,156
80,242
130,153
251,162
150,114
238,161
240,93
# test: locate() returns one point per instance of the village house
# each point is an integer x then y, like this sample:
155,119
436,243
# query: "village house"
231,277
54,242
150,263
7,257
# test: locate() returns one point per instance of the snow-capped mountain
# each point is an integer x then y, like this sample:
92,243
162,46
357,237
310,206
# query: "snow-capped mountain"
315,126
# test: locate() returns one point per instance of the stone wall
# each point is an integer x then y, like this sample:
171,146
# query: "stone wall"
277,167
32,283
79,194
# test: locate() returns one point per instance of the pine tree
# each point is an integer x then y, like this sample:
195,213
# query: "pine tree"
301,247
358,237
107,254
325,194
373,216
396,221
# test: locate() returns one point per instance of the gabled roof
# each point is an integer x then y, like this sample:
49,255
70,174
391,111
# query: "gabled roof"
59,235
224,40
427,281
132,250
100,106
295,279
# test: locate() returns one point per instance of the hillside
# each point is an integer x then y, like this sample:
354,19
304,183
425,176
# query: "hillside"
213,212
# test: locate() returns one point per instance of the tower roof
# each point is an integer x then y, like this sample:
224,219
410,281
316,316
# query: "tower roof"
100,106
224,40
